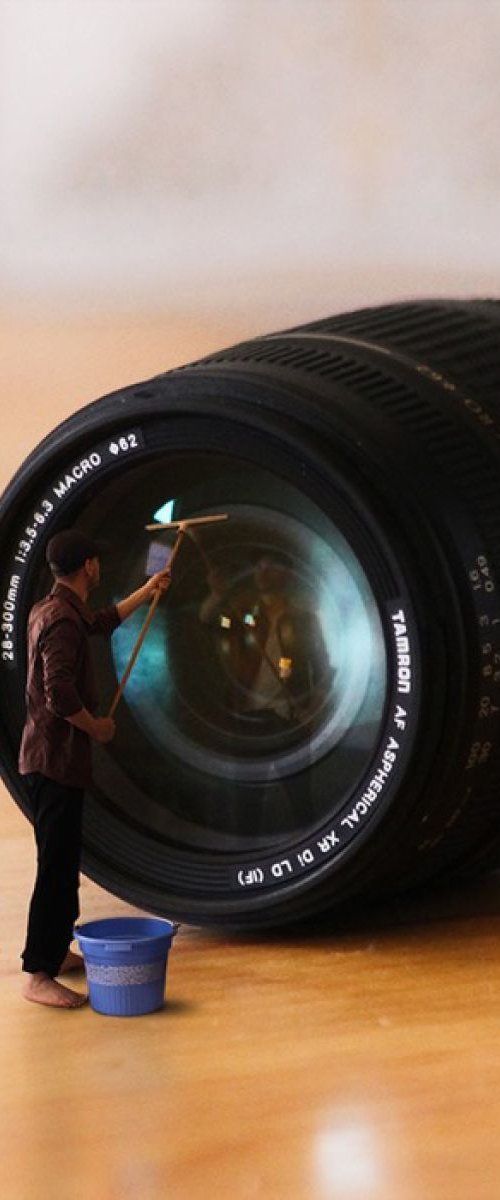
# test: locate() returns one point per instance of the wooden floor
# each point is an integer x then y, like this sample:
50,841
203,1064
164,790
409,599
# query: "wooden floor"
358,1064
361,1064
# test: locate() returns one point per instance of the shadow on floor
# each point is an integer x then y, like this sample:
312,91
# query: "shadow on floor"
438,903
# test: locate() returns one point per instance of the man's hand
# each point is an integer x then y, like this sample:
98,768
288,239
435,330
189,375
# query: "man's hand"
158,583
100,728
104,729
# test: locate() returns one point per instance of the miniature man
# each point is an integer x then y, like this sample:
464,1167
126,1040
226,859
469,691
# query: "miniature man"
55,752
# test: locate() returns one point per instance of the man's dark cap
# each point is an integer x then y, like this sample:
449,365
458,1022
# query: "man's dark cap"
68,550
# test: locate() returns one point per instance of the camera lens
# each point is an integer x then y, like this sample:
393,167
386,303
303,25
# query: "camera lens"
314,713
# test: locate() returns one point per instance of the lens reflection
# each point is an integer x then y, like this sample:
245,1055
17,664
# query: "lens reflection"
265,662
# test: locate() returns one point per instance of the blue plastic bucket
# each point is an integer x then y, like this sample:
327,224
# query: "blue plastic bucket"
126,963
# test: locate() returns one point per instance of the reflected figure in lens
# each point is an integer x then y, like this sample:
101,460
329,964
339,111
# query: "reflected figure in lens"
277,672
275,659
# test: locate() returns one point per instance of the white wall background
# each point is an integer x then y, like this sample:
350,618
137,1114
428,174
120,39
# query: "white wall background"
280,154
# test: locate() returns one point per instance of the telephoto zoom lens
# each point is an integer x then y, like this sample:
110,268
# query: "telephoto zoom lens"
314,713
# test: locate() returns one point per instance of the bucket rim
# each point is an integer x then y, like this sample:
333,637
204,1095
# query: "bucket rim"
170,930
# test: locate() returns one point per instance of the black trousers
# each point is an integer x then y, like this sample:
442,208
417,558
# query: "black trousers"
54,908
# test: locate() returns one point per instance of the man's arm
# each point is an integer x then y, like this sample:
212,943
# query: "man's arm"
59,650
159,582
100,728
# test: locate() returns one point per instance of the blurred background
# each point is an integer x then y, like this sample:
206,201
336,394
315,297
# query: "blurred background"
178,174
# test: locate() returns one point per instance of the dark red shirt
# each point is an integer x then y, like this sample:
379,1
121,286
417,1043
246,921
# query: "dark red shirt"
60,682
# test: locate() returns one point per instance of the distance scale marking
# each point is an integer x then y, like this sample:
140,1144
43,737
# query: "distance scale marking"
485,597
98,458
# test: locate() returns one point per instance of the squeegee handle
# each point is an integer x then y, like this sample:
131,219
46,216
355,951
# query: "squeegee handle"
142,634
135,651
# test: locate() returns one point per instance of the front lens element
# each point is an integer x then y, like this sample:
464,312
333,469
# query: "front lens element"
265,660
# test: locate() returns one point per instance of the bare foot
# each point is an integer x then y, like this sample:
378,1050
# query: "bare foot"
72,962
43,990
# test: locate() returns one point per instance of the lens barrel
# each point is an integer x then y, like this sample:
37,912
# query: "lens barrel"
315,714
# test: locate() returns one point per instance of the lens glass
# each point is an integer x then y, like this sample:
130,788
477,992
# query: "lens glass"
256,701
